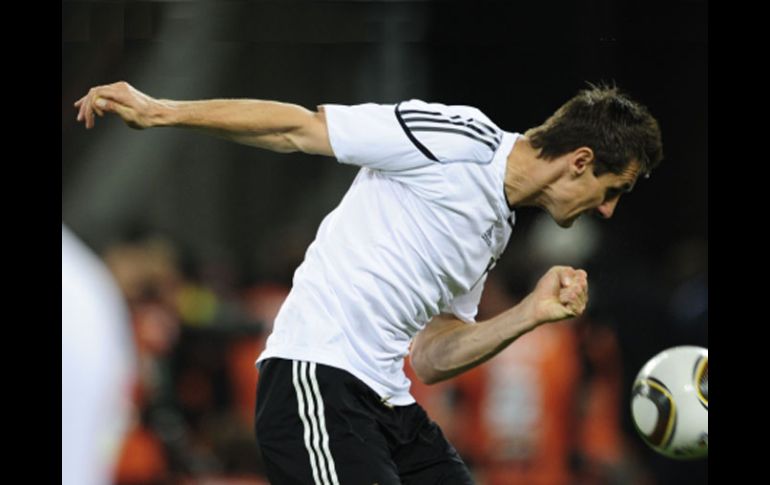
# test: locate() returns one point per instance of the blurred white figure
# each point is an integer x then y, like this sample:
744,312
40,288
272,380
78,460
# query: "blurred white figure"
98,366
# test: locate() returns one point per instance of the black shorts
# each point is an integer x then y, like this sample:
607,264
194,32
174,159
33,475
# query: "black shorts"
317,424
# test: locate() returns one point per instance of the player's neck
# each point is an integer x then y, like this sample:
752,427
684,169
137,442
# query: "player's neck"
526,175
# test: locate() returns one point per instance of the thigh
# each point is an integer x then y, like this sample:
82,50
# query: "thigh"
311,428
428,458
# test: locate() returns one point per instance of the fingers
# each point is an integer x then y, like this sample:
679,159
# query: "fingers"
97,101
80,104
102,106
85,113
574,292
574,299
94,102
117,92
98,105
569,276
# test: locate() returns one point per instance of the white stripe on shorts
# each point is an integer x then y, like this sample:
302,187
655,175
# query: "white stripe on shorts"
311,412
322,419
303,417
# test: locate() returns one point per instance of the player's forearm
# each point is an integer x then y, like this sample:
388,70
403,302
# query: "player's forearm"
448,346
265,124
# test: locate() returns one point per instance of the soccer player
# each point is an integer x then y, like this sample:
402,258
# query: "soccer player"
399,266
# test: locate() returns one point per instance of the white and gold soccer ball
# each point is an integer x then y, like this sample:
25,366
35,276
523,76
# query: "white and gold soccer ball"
670,402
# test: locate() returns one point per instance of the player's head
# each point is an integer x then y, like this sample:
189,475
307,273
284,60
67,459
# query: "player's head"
605,141
616,128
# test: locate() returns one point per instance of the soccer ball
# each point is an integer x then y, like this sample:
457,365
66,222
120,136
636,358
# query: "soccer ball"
670,402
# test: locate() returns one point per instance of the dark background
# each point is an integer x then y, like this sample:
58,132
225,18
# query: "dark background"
241,216
517,63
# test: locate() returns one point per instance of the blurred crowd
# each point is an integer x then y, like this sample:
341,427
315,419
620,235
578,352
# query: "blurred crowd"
550,409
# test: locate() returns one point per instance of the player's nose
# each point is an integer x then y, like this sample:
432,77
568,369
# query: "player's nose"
606,209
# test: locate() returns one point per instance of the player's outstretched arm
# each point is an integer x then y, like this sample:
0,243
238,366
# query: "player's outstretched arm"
276,126
448,346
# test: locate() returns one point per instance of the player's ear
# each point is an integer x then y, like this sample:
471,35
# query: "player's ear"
581,159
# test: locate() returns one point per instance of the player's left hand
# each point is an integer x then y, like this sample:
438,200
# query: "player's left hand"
561,293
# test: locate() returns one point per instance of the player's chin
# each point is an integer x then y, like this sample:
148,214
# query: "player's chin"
566,223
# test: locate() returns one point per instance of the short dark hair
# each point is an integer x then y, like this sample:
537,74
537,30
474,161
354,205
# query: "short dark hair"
618,129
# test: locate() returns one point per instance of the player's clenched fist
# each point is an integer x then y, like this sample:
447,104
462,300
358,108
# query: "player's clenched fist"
561,293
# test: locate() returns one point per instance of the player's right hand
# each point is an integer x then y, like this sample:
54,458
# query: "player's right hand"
137,109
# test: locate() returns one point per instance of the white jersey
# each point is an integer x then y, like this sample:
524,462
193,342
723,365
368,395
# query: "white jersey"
415,235
98,365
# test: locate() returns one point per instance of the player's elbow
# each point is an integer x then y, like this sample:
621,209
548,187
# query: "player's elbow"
311,135
430,350
425,372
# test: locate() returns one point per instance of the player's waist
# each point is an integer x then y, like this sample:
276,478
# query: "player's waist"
380,384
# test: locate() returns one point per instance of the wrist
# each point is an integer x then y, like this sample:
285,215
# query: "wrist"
165,113
520,319
530,315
